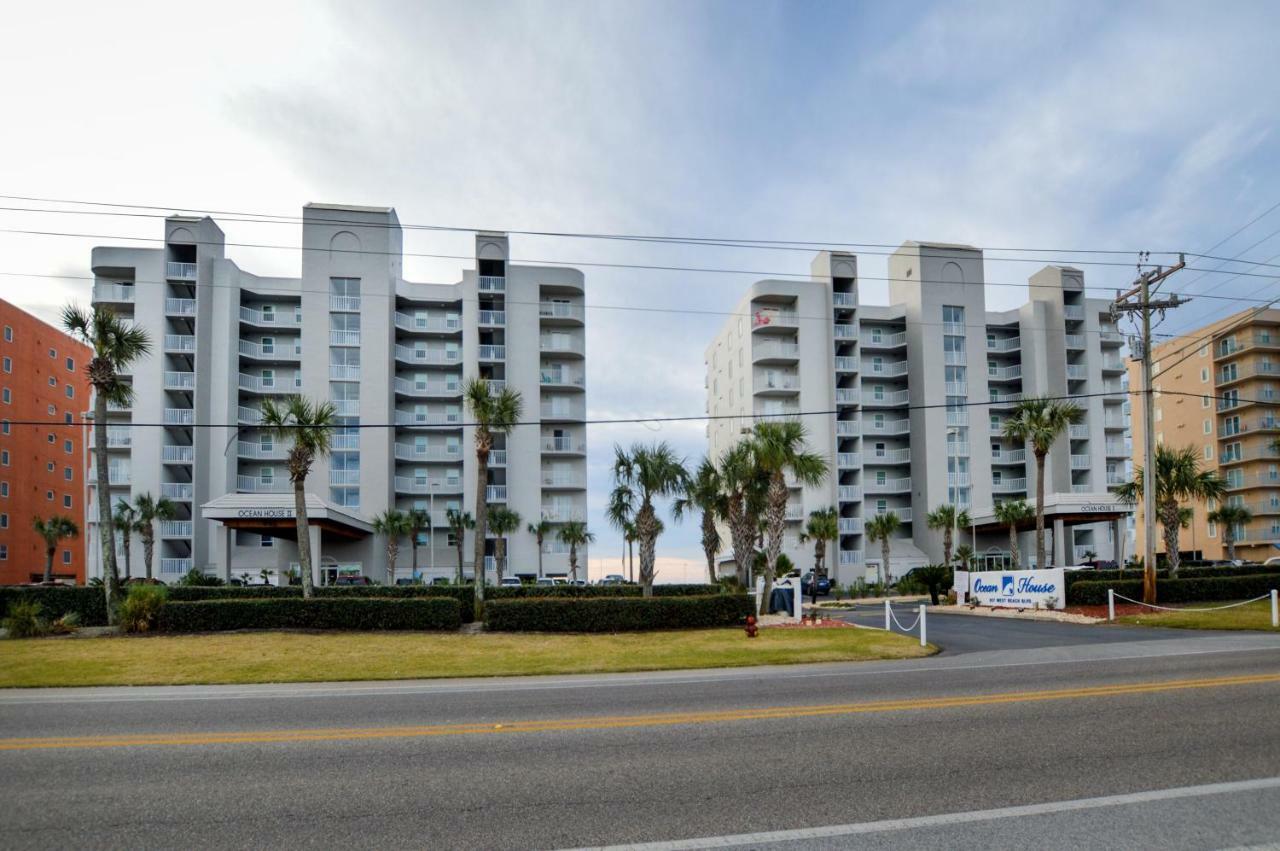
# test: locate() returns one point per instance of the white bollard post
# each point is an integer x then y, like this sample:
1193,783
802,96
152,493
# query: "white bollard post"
1111,605
1275,609
922,633
886,615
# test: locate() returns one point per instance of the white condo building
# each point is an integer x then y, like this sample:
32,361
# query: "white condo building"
920,390
392,356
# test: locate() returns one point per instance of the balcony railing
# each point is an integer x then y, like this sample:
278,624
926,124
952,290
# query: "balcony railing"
849,493
1080,462
179,343
1073,311
1118,450
848,460
1077,372
1005,400
492,284
563,412
848,428
495,493
493,317
562,345
851,557
176,528
1078,431
180,271
562,513
888,397
957,388
287,318
898,426
256,484
559,310
851,525
844,331
344,477
344,303
561,379
563,479
888,485
343,372
179,381
425,322
448,453
957,418
179,416
263,384
564,444
844,300
1009,486
491,352
177,454
764,383
427,388
1009,456
1004,344
773,318
875,340
118,293
846,363
119,438
847,395
1110,338
887,456
497,457
346,442
116,476
344,338
175,566
1075,341
774,350
178,491
954,358
410,354
180,306
289,349
258,451
872,367
428,417
1004,373
248,416
903,513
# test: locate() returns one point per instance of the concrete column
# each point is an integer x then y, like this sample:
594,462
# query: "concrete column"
228,547
1059,544
313,535
1117,538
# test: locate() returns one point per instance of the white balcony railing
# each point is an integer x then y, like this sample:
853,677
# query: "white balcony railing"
563,411
957,418
954,358
119,438
411,354
1078,431
561,378
344,338
563,479
428,417
179,416
848,428
495,493
562,513
180,306
886,397
257,484
344,303
1004,373
1009,456
175,528
849,493
844,300
113,292
562,344
175,566
846,363
1004,344
847,396
851,525
563,444
888,456
787,381
344,477
1080,462
903,513
493,317
1009,485
179,380
844,331
873,367
179,342
773,350
425,322
343,372
263,384
888,485
170,454
288,349
873,426
957,388
488,351
417,387
884,341
178,491
851,557
1075,341
180,271
258,451
448,453
248,416
848,460
492,284
559,310
1073,311
287,317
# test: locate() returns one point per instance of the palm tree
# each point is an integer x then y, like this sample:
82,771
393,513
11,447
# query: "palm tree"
1178,479
116,344
494,413
53,531
620,516
539,531
823,526
395,525
703,492
309,425
575,534
125,521
1011,513
149,510
947,518
780,449
745,489
418,520
639,475
502,522
1230,517
459,523
881,528
964,556
1040,421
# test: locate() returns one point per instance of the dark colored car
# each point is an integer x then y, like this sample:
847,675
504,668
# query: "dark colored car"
806,585
353,580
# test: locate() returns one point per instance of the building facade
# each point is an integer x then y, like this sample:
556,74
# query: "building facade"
1221,395
390,354
920,390
44,391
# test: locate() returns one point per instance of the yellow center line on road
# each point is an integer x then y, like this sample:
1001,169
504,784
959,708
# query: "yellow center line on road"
340,734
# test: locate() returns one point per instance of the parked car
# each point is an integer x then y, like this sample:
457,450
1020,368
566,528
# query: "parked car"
544,581
408,581
353,580
806,585
510,582
614,579
1274,561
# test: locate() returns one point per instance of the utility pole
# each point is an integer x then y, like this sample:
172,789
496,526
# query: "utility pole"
1138,300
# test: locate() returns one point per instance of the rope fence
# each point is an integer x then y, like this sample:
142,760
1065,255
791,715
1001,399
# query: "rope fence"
1112,596
890,618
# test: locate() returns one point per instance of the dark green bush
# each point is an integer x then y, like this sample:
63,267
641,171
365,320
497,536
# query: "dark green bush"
1190,590
141,607
1074,576
88,602
616,614
316,613
24,620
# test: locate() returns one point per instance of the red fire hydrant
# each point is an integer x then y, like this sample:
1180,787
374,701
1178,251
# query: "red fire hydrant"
752,629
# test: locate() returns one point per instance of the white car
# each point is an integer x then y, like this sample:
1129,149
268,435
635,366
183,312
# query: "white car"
510,582
544,581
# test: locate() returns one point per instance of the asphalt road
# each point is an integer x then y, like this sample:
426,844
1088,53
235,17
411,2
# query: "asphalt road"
1158,743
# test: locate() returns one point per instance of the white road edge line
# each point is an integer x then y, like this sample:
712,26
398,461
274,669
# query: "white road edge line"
890,825
289,691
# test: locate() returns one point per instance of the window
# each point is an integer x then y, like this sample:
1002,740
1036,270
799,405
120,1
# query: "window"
67,473
1159,414
52,410
53,438
8,334
1208,426
1213,529
268,345
66,556
48,468
67,447
4,457
4,426
1204,375
4,490
266,541
53,382
268,378
53,354
66,500
8,365
1208,451
68,419
267,476
6,396
48,495
4,521
70,391
4,548
1204,351
71,364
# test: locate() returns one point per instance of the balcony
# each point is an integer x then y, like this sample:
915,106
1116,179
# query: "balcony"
344,338
450,453
844,300
487,351
899,426
258,451
277,350
795,511
1078,431
885,398
872,367
344,478
176,528
1232,373
344,303
180,271
845,363
1115,423
269,317
561,344
957,450
179,343
1110,338
492,284
888,456
411,418
497,457
175,566
561,379
1004,344
1235,345
563,479
561,310
416,387
1004,485
889,486
563,408
848,428
957,418
1077,372
851,525
851,557
255,484
1265,478
1251,453
848,460
179,381
263,384
877,339
179,416
119,438
248,416
563,445
1115,478
177,454
1081,462
1009,457
425,323
1073,312
1075,341
116,476
849,493
1118,450
495,493
903,513
177,491
345,442
772,320
562,513
844,331
959,480
778,383
1004,373
113,293
343,372
1113,365
954,358
180,306
414,355
957,388
492,318
774,350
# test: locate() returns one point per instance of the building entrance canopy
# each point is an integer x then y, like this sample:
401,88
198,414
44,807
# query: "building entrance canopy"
1067,508
274,514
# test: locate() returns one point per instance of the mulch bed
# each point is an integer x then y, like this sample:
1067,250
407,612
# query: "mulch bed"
827,623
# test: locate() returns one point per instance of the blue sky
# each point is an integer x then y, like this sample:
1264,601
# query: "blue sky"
1056,125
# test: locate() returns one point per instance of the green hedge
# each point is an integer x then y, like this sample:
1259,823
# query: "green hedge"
1189,590
87,602
317,613
616,614
1074,576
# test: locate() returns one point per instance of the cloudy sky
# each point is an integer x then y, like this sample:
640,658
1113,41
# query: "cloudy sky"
1050,125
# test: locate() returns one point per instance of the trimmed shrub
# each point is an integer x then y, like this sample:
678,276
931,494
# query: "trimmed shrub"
86,601
316,613
141,608
24,620
1074,576
1176,590
616,614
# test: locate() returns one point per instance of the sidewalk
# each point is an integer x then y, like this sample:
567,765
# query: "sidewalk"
1023,614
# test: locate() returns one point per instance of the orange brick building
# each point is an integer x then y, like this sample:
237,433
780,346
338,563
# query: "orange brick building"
42,378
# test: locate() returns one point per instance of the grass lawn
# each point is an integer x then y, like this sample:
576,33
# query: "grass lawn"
324,657
1253,616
